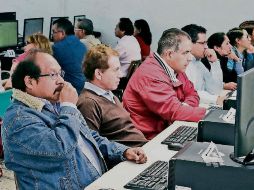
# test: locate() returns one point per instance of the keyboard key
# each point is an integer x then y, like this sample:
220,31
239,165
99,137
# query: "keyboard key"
152,178
180,137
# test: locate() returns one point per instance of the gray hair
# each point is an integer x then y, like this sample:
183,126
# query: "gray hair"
87,25
170,39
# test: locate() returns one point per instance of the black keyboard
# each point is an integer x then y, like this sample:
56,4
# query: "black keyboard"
214,107
155,177
180,137
229,94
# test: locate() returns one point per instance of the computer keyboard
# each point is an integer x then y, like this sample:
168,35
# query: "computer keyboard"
155,177
180,137
214,107
229,94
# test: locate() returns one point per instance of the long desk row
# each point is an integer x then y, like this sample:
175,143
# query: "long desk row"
122,173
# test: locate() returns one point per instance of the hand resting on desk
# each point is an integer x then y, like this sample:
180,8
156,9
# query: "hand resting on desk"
135,154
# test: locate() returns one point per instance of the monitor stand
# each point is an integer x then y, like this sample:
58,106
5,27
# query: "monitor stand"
247,160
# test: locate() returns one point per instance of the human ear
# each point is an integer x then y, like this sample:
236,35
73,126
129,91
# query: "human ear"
28,82
97,74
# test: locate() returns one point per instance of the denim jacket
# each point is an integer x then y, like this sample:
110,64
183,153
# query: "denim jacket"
41,145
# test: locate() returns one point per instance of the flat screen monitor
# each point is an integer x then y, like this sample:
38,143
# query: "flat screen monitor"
78,17
52,19
32,26
244,119
8,34
8,16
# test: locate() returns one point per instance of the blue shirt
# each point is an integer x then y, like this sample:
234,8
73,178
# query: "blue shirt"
41,146
70,53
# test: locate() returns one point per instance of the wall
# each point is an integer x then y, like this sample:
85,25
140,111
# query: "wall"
215,15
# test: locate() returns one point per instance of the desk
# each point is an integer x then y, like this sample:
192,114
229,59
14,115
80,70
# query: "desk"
122,173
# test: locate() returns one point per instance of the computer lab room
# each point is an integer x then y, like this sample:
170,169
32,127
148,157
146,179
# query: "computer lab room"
113,95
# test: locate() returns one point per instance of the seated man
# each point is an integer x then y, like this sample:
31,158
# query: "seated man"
69,52
84,31
159,92
46,140
208,84
102,110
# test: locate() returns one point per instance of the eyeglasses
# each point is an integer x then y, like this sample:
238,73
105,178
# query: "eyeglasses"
77,29
54,76
56,31
202,43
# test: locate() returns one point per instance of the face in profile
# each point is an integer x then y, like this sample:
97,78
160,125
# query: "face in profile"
57,34
225,48
110,77
48,86
244,41
199,47
180,59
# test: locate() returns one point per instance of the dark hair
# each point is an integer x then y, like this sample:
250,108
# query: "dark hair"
193,30
126,25
233,34
97,58
87,25
248,26
145,32
24,68
216,39
65,25
171,39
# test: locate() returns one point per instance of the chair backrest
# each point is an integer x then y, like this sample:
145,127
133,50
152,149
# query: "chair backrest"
132,68
5,101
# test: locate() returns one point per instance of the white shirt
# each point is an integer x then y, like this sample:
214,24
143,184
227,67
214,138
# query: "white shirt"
90,41
208,84
129,50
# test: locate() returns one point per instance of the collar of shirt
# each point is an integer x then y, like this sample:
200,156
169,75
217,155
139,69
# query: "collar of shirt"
99,91
172,73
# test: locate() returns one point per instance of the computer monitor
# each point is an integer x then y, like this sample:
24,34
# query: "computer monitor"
244,119
52,19
8,34
8,16
78,17
31,26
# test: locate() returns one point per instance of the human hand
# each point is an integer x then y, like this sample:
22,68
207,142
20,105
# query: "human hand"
135,154
211,55
230,86
67,93
233,56
220,100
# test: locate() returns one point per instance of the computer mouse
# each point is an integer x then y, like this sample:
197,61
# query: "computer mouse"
175,146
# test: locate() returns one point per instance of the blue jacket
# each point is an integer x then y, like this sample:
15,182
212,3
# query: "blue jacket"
70,53
40,145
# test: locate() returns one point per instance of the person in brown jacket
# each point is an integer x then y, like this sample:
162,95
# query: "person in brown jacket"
102,110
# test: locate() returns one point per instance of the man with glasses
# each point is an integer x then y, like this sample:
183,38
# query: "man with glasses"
84,31
208,84
46,140
69,52
159,91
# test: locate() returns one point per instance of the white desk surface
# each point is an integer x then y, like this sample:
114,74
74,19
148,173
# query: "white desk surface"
122,173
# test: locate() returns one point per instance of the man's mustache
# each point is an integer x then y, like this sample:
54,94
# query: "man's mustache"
59,88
